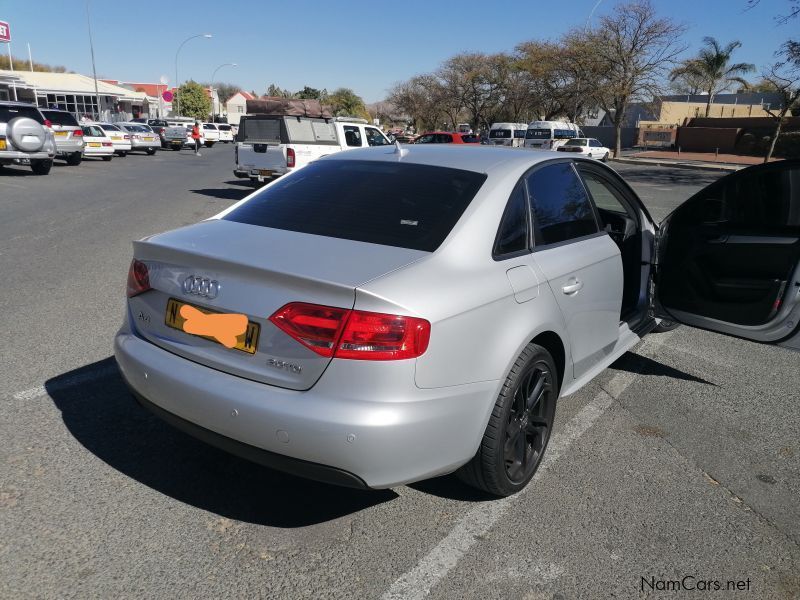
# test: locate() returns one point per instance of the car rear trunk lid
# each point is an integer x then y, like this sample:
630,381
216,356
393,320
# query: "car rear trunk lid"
257,270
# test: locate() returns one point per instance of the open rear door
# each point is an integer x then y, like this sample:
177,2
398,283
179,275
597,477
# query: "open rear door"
729,257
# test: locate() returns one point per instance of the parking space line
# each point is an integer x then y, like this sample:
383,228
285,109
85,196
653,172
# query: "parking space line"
434,566
40,390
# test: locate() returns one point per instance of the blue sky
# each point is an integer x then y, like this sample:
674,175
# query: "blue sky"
364,45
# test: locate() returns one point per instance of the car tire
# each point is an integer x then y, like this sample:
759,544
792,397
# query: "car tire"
151,151
176,148
74,159
665,325
209,144
122,153
519,427
605,157
41,167
107,158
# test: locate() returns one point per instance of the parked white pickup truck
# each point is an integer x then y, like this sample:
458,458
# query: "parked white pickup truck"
269,146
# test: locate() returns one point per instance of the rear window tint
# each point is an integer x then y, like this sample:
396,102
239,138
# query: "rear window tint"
61,118
10,112
403,205
260,131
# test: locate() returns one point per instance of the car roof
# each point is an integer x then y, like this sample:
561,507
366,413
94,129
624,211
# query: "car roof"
16,103
483,159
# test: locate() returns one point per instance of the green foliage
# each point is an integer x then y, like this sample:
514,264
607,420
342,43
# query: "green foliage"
309,93
346,103
194,102
23,64
276,92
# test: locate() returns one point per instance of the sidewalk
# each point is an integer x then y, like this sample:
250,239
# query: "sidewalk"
692,160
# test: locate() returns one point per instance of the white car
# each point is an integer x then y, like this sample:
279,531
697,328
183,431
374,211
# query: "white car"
142,137
225,133
120,139
211,134
588,147
97,143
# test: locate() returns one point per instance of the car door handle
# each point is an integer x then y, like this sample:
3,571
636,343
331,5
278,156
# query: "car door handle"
572,288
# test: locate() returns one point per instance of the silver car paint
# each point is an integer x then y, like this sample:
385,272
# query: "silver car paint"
412,418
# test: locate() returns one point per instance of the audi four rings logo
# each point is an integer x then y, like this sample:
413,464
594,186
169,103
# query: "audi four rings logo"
201,286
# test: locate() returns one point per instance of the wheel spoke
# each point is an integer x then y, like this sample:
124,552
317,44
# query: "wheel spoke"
536,393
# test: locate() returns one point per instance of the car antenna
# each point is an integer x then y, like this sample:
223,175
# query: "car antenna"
399,150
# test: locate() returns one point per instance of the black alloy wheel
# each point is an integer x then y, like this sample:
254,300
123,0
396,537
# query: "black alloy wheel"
519,427
529,423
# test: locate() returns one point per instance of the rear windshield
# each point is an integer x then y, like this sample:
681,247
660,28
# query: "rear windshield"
10,112
60,118
224,127
209,126
576,142
110,127
500,133
157,123
393,204
260,131
136,128
470,139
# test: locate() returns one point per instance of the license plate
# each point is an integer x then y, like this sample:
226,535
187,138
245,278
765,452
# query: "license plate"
246,341
148,139
94,144
2,144
61,134
265,172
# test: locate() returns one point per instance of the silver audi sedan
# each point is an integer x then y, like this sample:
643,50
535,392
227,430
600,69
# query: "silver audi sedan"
387,315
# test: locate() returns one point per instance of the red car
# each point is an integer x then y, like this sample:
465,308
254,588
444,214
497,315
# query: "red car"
448,137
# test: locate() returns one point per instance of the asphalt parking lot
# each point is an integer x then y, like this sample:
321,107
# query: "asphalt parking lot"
681,463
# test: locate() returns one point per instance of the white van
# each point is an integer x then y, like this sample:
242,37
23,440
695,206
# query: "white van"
507,134
549,135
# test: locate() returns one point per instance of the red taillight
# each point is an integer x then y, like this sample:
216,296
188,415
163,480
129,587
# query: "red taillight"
107,144
77,133
290,157
354,334
48,123
138,278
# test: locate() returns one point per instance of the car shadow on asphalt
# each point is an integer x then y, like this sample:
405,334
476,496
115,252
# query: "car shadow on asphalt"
99,411
668,177
241,182
224,193
642,365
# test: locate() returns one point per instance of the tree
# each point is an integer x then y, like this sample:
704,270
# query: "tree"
309,93
419,99
784,75
346,103
712,68
24,64
276,92
471,82
194,101
631,51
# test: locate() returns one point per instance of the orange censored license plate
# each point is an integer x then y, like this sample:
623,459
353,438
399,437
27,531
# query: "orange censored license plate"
229,329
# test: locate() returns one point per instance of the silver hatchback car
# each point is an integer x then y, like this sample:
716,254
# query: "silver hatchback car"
68,134
391,314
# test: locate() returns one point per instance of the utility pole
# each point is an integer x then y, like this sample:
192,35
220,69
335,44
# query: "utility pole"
94,70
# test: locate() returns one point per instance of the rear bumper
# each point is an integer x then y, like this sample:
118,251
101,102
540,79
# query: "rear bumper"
122,146
279,462
15,157
136,145
355,425
68,146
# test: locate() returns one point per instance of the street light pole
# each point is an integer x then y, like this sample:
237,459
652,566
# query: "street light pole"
94,71
177,82
214,74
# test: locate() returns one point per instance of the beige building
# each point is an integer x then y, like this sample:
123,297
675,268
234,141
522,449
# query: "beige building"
236,106
676,110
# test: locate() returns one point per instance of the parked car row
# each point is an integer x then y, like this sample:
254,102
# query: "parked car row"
35,136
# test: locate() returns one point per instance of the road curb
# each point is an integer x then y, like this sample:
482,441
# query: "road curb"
678,165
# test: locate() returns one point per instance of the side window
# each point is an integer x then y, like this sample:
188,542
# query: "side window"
375,137
512,236
561,208
444,138
352,135
762,199
603,194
